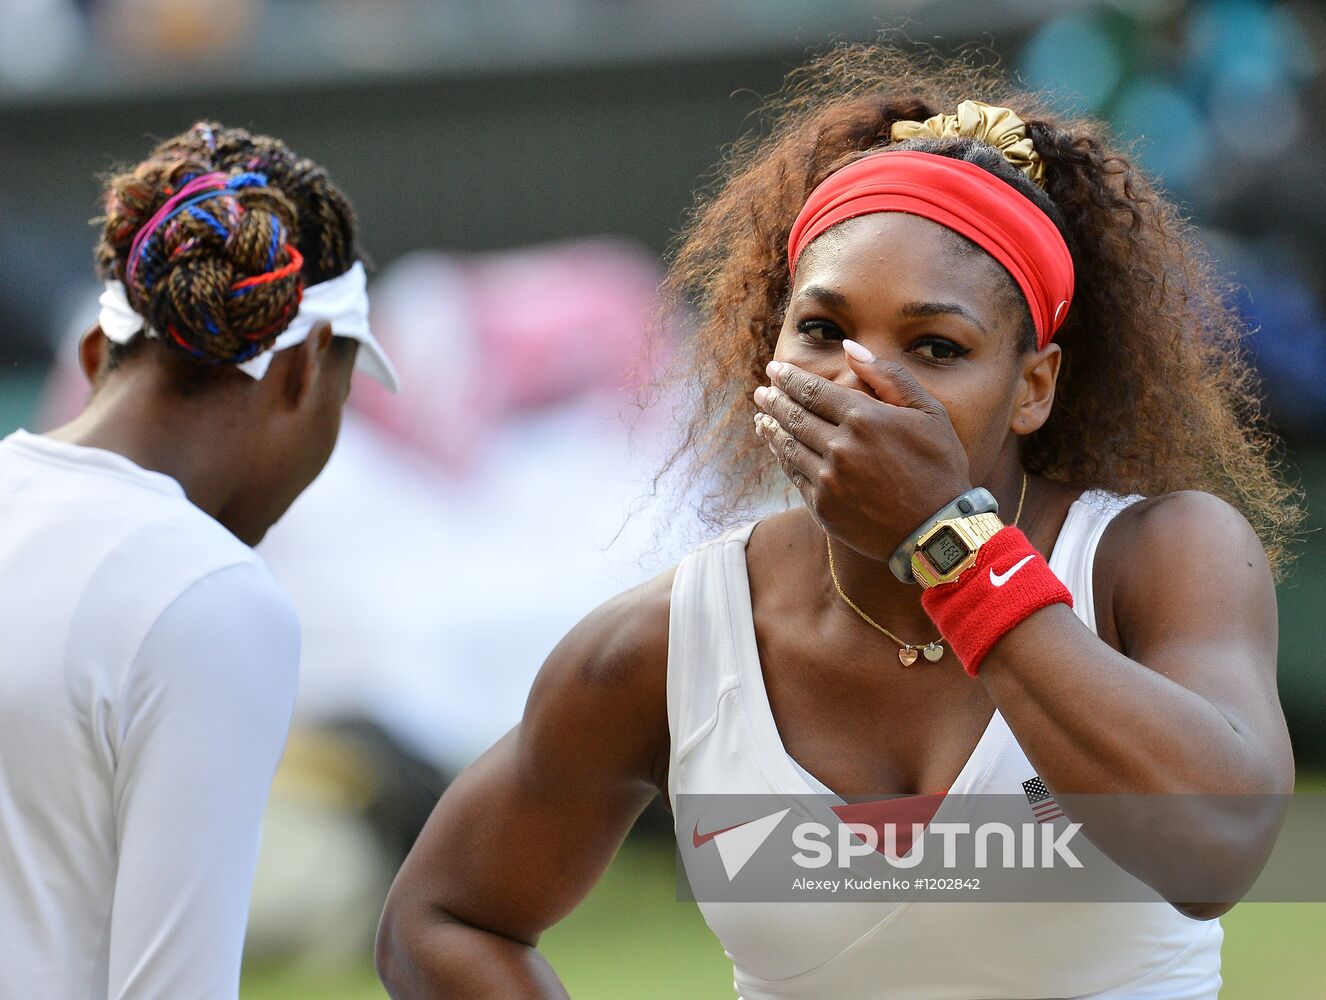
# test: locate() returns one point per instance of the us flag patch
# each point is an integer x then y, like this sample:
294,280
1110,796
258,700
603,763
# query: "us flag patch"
1042,803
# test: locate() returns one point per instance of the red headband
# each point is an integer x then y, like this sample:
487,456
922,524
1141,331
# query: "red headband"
959,196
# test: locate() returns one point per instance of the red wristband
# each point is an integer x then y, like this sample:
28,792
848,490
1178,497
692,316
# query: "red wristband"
1008,582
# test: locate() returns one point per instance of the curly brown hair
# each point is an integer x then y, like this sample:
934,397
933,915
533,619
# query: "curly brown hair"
187,280
1154,394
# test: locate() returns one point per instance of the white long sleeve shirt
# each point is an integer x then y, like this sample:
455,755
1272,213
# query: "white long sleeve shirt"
148,663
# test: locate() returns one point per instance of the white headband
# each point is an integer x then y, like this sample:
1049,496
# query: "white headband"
341,302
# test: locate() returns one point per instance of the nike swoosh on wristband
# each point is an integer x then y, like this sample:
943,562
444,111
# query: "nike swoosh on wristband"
999,579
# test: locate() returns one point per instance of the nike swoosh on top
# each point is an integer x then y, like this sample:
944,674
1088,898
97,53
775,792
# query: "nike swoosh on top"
999,579
698,838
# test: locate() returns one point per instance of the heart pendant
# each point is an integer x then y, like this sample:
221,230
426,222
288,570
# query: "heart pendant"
908,656
933,652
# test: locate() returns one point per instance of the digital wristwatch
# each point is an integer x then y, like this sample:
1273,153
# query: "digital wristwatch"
949,541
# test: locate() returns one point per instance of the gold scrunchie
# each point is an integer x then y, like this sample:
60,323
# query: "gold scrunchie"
999,127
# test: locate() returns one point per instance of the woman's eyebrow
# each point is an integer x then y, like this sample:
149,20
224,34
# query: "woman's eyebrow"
824,296
920,310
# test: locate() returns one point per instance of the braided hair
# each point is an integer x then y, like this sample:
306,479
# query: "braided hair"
219,274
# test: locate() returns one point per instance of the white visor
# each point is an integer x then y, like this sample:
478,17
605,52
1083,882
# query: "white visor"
341,302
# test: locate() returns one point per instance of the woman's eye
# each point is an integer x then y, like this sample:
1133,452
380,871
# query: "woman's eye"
938,349
819,330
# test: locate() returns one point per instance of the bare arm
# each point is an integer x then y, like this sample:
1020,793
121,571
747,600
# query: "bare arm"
525,832
1190,710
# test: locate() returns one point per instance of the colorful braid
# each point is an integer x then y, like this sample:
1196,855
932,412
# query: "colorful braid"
208,183
215,236
212,266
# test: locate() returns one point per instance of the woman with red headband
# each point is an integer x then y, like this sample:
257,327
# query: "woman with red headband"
149,658
1034,560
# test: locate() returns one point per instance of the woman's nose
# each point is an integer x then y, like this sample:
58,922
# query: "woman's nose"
850,379
835,370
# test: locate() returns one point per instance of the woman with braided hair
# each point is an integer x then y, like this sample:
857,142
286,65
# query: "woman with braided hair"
148,668
1034,558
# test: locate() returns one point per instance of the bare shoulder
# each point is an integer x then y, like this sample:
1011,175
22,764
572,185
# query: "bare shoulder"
622,642
1183,561
602,692
1186,520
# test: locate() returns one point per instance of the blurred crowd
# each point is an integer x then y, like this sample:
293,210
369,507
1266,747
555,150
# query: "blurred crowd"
1221,99
1220,96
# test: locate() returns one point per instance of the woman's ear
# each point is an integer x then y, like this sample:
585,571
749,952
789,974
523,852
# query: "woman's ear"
93,350
1039,371
305,362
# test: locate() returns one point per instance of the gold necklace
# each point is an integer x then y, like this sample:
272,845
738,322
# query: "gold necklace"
907,652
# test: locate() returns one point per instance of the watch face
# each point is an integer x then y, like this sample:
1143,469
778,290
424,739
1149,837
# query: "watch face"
945,550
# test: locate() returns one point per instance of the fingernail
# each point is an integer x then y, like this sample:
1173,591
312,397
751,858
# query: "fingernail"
773,369
857,353
761,394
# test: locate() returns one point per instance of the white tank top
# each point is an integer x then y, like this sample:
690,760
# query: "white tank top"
724,740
